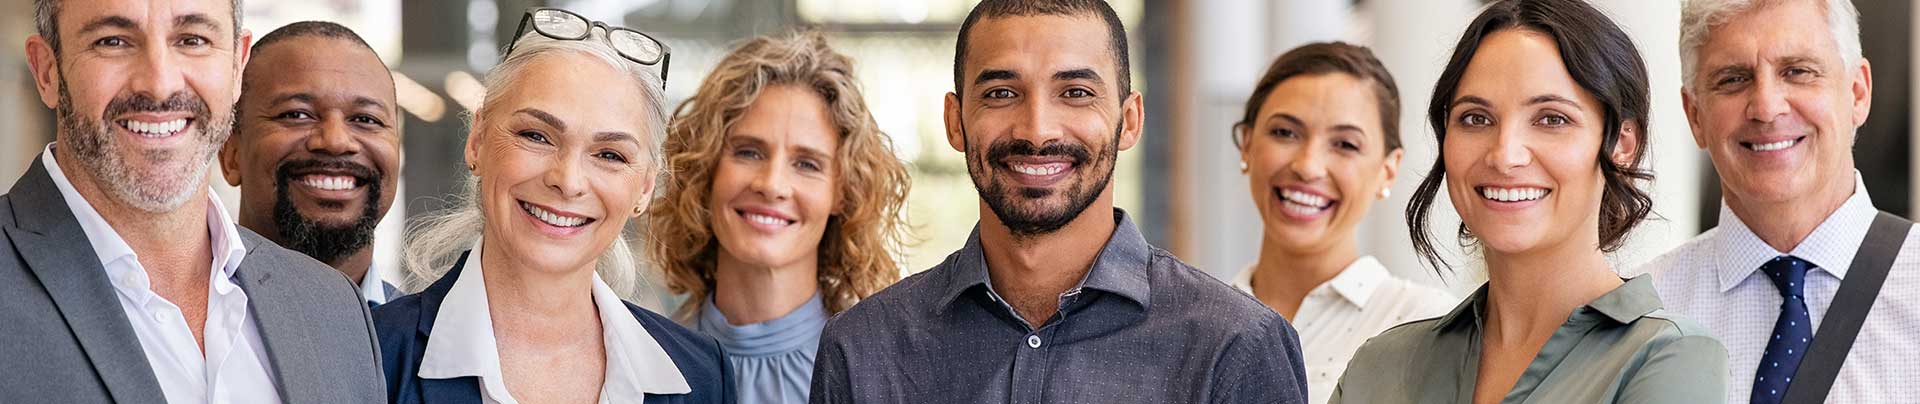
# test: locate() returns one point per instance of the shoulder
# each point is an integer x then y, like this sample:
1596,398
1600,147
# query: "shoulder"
398,318
699,357
1665,327
901,302
1198,296
264,255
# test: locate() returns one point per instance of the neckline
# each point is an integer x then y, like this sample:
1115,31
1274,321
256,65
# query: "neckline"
795,331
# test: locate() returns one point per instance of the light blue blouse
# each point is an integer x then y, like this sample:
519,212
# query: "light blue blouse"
773,360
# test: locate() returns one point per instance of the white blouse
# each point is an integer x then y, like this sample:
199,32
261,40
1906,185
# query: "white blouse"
1339,315
463,345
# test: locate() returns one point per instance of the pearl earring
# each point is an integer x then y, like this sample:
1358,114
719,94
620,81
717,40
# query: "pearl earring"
1243,167
1386,193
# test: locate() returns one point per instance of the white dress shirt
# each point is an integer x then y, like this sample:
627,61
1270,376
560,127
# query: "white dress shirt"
233,368
1340,314
372,287
463,345
1714,280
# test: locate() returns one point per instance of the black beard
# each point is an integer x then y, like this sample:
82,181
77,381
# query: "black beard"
326,242
1005,200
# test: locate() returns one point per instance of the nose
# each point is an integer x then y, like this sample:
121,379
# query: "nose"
1039,122
1509,151
771,182
333,137
564,176
1768,100
1308,164
158,75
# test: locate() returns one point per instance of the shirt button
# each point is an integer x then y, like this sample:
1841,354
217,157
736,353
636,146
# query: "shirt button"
160,316
1033,341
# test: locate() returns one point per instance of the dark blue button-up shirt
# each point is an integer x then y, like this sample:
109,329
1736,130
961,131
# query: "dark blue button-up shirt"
1142,327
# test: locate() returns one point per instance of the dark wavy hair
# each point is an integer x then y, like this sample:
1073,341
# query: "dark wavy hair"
1603,61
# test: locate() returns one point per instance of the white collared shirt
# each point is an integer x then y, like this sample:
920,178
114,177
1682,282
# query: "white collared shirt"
463,345
371,286
234,367
1714,280
1340,314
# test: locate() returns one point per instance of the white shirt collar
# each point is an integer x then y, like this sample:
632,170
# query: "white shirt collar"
1830,247
1355,284
463,344
109,247
372,287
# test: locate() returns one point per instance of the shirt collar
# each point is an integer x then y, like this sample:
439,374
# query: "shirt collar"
463,345
1830,247
1354,284
1120,268
1624,304
109,247
372,286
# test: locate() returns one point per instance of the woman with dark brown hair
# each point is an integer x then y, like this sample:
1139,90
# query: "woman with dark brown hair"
784,208
1541,117
1319,145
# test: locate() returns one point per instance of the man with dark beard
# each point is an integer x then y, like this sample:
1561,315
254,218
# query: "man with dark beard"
1056,298
316,150
122,279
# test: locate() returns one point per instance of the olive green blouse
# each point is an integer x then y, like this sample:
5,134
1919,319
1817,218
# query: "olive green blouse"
1621,348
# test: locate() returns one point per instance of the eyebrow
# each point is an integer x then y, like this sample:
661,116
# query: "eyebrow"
750,139
369,102
1551,98
195,19
995,74
111,21
614,136
1295,121
1077,74
1468,99
543,116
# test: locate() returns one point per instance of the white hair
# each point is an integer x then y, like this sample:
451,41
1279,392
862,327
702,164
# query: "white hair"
1698,17
437,240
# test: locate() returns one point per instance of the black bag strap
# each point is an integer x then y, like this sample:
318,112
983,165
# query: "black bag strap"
1849,310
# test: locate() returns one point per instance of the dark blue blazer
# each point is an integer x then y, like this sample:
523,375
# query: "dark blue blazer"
404,323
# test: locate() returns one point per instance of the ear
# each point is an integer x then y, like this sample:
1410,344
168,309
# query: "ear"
242,52
1862,92
956,130
1390,168
472,152
46,70
1133,118
1692,107
230,158
1627,146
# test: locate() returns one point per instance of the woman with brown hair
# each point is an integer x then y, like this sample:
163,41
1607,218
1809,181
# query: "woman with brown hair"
784,208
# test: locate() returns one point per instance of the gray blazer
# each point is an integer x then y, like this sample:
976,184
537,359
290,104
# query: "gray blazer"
65,339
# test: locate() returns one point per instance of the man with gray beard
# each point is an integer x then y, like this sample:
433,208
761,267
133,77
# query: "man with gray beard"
122,279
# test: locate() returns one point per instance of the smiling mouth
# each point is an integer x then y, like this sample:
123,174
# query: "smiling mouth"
555,219
1301,202
763,219
1039,170
1522,194
330,182
155,130
1773,146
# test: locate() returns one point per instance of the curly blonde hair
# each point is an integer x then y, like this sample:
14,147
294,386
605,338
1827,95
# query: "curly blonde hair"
857,251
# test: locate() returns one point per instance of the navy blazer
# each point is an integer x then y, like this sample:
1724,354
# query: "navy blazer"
405,323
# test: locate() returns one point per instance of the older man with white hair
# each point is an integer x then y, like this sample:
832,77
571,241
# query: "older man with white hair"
1815,293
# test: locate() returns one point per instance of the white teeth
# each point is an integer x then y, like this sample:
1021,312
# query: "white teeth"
552,218
1046,169
1312,201
154,129
329,183
1512,194
766,220
1780,145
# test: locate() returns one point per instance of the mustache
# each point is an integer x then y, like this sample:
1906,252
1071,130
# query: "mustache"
182,101
361,172
999,151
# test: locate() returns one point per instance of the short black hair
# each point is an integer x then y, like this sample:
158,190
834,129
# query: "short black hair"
1603,61
46,12
1116,32
1324,58
322,29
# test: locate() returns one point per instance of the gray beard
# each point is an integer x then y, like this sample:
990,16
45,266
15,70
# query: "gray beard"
171,177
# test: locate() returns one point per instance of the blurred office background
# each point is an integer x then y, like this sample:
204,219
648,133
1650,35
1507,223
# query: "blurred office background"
1195,61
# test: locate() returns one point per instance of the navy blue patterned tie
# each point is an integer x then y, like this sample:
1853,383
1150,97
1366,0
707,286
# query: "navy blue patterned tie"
1791,333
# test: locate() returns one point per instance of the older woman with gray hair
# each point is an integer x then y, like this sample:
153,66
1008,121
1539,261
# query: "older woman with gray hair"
531,266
